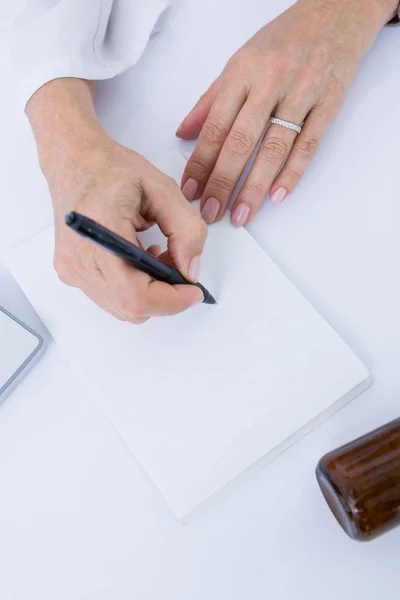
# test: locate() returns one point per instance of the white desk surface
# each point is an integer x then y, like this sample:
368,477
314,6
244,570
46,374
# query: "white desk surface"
78,519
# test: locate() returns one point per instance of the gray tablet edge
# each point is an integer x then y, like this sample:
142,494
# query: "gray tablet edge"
9,385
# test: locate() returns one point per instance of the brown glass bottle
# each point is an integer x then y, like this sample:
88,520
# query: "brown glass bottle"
361,482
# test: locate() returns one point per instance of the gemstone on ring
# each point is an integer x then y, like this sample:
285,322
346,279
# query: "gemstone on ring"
286,124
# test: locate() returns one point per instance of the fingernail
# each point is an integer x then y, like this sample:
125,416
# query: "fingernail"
278,196
210,210
179,130
240,215
194,269
190,188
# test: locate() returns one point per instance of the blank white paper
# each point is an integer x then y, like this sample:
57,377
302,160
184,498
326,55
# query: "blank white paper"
206,397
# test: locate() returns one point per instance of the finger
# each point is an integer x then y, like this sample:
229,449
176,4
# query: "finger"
144,225
99,281
124,289
130,290
235,154
180,223
138,297
191,126
216,129
302,154
123,285
155,250
165,300
273,152
165,257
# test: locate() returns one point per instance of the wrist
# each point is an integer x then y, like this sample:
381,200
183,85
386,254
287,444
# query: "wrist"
373,13
386,8
64,123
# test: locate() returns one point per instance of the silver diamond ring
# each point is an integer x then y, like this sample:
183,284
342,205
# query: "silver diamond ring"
286,124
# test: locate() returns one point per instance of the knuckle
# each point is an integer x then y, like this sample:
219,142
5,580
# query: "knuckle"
214,132
62,270
304,93
240,66
221,182
274,149
309,82
132,306
199,167
293,176
307,147
240,142
256,188
236,59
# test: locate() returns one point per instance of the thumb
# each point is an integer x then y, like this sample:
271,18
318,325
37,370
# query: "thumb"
190,128
181,224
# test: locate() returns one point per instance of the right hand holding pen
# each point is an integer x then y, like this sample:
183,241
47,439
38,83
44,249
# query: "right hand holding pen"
122,191
89,172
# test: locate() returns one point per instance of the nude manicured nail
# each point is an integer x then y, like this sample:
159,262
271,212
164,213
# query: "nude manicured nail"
240,215
179,130
278,196
190,188
210,210
194,269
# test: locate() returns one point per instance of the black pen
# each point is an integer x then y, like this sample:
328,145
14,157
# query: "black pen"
130,253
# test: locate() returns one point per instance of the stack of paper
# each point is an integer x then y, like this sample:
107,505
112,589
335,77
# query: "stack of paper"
204,398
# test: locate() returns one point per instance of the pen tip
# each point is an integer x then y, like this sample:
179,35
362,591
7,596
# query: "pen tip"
210,300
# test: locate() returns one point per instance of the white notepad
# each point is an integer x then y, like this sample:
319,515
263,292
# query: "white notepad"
205,398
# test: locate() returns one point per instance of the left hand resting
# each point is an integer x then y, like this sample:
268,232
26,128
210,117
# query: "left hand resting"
297,68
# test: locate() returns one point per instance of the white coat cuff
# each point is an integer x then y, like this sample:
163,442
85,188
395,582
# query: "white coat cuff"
125,36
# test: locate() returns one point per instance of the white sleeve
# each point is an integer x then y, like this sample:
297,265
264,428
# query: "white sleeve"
89,39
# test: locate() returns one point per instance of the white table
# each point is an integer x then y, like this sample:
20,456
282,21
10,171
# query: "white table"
78,518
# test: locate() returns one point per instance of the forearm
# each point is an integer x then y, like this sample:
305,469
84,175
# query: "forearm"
64,121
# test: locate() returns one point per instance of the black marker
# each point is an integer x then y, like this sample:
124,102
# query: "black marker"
130,253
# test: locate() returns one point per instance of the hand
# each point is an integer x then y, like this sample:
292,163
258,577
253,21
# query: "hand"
89,172
122,191
297,68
